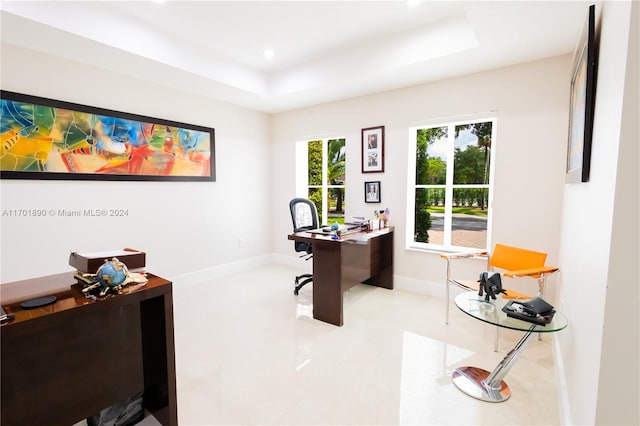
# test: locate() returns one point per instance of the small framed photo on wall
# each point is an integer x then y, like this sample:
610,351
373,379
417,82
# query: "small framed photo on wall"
372,192
373,149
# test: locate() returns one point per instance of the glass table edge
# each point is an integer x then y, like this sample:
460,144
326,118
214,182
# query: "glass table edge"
501,319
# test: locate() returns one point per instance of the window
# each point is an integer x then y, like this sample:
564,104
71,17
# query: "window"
321,165
450,185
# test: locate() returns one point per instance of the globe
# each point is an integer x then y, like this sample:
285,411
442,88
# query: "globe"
111,273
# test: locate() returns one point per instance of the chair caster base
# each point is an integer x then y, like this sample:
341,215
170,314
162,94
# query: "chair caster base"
301,281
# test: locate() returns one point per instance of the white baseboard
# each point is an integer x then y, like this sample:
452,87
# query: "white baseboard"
219,271
295,262
428,288
561,374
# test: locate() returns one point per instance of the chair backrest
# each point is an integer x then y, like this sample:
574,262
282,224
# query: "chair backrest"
514,258
304,216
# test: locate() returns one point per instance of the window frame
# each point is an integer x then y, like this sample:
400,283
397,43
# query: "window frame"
302,172
449,186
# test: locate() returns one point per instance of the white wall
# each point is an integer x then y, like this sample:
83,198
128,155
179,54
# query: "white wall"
531,103
183,226
599,241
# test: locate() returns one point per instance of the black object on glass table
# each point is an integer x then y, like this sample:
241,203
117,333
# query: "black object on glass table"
537,306
490,283
536,310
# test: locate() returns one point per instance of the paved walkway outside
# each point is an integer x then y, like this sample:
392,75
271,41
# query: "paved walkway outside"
469,230
461,237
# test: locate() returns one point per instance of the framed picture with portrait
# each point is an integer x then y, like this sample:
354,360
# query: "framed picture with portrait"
373,150
372,192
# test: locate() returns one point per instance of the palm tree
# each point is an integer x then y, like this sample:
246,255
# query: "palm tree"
483,132
336,169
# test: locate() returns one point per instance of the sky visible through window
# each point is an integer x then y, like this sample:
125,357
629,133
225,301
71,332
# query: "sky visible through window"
439,147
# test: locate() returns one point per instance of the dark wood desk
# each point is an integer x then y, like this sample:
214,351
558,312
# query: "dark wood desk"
338,265
64,362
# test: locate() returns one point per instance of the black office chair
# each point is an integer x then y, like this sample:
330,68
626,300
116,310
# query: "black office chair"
304,216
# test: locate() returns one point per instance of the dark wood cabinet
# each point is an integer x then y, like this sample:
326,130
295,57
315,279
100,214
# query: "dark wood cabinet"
68,360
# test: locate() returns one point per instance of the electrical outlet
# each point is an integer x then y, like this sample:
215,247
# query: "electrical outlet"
241,242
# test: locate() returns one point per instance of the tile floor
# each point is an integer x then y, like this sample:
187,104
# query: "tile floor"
249,352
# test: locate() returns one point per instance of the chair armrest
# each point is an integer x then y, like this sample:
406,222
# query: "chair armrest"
464,255
534,272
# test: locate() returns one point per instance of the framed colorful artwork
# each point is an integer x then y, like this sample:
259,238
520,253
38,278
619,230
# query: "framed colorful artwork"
49,139
582,103
373,149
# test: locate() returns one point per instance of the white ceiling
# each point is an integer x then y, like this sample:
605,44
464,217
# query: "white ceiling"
324,50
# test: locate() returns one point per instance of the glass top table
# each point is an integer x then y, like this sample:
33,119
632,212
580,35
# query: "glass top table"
490,386
491,312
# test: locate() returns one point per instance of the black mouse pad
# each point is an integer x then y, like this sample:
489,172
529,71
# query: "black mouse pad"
40,301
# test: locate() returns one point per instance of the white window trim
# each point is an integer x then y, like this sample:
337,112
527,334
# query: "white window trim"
302,172
410,244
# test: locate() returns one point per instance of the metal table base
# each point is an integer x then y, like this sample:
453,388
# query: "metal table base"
490,386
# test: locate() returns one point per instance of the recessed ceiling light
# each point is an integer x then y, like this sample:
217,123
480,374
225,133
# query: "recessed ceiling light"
413,3
268,53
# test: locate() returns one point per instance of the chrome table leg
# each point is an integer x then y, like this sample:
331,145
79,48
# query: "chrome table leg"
490,386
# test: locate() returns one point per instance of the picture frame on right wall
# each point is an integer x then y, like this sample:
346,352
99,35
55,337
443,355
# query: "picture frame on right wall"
582,106
373,150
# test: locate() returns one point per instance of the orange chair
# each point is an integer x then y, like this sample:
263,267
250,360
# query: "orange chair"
512,262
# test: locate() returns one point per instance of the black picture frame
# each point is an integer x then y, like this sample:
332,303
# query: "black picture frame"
35,143
372,192
373,149
582,103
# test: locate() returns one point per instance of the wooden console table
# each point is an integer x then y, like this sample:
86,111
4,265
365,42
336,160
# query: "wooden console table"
66,361
338,265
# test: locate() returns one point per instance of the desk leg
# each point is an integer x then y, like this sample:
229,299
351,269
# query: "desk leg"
327,283
381,261
158,354
490,386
